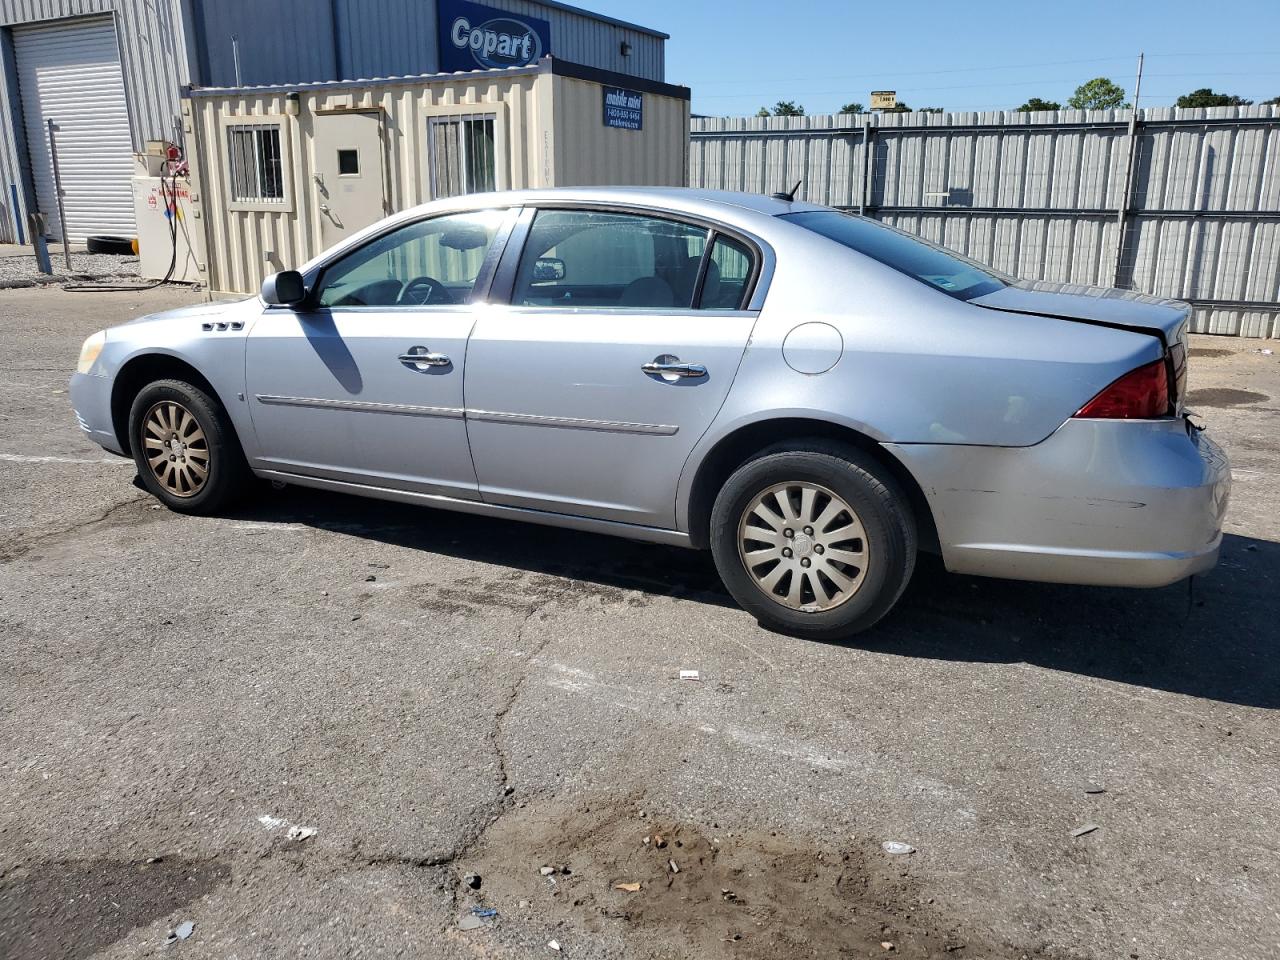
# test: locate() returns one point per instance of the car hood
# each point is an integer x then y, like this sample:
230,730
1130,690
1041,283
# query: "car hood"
1112,308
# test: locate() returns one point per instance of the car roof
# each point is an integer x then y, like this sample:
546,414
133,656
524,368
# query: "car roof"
710,203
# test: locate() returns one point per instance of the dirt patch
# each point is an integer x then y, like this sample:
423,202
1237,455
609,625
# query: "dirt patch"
732,893
1225,397
1210,352
65,911
519,592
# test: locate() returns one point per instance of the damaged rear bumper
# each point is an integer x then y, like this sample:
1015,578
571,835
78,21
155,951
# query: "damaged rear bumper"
1104,502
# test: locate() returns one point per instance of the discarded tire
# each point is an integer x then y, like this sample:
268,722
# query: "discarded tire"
117,245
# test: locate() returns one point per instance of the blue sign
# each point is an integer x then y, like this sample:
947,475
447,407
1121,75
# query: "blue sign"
623,109
475,37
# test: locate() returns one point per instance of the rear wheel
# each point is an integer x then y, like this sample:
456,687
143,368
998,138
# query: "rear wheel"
185,448
814,539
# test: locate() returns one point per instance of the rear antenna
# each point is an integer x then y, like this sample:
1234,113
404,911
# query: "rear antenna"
786,195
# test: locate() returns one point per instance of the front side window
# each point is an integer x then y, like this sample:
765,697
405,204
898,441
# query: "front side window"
936,266
461,154
582,258
255,163
427,263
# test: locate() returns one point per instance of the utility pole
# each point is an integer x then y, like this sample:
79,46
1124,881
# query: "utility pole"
1131,152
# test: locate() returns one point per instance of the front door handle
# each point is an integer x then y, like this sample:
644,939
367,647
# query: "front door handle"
670,366
421,356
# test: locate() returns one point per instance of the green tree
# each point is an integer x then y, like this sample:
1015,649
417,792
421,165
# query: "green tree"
788,108
1274,101
898,107
1204,97
854,107
1035,104
1097,94
929,110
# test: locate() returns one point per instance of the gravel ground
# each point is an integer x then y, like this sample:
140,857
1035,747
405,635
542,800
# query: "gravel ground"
439,696
20,271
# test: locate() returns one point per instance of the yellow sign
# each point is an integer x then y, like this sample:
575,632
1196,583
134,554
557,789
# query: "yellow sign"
884,99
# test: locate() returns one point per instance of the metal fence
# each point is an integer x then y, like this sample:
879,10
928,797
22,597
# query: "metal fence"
1176,203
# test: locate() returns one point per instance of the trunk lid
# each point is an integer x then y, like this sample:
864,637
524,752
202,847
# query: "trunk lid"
1169,320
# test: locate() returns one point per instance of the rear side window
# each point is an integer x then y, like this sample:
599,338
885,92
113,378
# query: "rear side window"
582,258
728,274
936,266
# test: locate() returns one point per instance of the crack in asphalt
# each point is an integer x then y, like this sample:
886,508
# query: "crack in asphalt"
20,546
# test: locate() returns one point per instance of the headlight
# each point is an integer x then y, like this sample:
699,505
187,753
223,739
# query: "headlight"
89,352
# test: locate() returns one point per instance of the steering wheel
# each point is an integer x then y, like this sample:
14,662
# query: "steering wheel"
425,291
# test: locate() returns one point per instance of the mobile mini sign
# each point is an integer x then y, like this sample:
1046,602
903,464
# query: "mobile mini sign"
476,37
623,109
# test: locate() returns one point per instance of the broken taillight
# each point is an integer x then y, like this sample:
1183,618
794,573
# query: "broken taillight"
1141,394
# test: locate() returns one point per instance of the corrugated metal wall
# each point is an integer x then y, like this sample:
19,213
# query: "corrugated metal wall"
384,38
594,42
1038,195
587,153
153,64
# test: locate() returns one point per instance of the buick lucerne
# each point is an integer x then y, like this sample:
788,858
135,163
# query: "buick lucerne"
812,396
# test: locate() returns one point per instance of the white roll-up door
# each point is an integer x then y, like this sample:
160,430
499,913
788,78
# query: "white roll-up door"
69,72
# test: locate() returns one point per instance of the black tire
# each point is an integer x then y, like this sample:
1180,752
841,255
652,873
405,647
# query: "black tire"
227,474
121,246
879,504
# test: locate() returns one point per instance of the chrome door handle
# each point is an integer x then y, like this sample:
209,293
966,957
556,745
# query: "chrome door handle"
426,359
671,366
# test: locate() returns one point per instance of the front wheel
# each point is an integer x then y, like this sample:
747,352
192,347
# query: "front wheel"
815,539
185,448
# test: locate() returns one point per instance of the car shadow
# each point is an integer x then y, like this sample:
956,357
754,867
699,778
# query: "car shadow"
1215,637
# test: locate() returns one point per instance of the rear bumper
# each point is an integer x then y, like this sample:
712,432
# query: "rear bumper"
1105,502
91,400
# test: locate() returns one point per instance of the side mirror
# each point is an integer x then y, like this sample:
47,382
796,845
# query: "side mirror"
284,288
548,269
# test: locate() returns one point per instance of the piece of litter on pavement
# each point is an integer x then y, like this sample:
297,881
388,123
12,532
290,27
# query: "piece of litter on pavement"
689,675
546,871
896,848
484,912
469,922
886,945
1094,788
673,866
1081,831
472,880
183,930
628,887
301,833
271,822
554,945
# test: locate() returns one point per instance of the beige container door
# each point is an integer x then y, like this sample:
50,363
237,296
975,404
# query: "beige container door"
348,182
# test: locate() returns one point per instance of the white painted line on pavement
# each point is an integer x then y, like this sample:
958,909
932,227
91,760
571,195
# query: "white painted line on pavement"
20,458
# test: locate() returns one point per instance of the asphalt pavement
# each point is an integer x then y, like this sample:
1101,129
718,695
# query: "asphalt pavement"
327,727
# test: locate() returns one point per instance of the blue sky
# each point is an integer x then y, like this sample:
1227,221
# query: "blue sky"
738,55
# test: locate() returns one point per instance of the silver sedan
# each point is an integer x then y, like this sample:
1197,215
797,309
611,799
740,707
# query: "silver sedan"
812,396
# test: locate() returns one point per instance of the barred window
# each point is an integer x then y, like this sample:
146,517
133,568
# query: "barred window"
462,155
256,163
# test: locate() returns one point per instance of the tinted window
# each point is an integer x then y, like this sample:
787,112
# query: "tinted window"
939,268
580,258
427,263
727,275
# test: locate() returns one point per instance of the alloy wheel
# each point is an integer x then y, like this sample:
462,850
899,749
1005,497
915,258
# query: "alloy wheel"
803,546
176,448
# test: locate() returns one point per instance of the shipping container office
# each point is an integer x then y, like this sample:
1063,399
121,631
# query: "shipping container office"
108,74
283,172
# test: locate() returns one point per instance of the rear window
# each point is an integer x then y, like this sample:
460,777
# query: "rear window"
935,266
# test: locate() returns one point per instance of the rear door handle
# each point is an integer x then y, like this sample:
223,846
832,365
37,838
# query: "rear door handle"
669,365
424,357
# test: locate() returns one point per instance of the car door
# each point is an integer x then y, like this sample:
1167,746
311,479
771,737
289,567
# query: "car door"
364,384
588,389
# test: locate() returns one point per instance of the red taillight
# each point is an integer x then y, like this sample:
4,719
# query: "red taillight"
1140,394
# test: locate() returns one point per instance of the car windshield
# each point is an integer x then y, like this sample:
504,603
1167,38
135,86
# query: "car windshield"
936,266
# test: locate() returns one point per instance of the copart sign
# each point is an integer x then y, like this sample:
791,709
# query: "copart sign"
476,37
